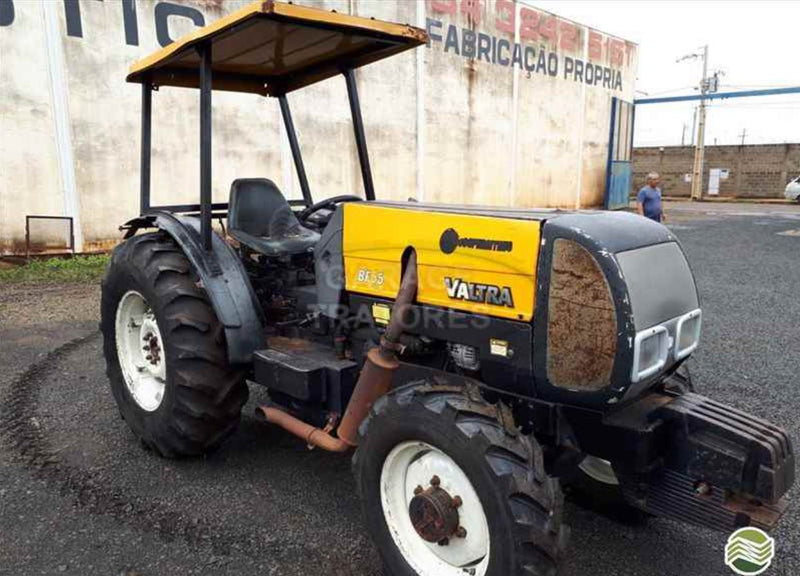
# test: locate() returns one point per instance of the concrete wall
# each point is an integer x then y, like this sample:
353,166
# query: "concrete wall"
450,122
756,171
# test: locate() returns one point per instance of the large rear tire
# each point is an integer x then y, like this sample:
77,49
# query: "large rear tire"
165,350
445,438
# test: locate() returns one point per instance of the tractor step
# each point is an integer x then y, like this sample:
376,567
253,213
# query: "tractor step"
305,370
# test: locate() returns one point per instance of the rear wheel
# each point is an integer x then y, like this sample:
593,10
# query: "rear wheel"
450,487
165,350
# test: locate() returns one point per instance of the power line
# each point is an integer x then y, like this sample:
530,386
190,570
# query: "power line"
757,85
753,104
787,106
670,91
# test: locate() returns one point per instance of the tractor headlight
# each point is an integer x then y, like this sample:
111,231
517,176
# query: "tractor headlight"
687,334
650,351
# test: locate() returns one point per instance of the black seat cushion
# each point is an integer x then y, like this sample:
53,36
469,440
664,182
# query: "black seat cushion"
260,217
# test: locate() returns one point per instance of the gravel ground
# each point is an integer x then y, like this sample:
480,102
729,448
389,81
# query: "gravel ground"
36,318
78,495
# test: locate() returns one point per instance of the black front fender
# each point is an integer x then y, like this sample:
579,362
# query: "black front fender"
223,276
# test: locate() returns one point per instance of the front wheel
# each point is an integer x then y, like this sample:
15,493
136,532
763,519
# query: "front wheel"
594,484
165,350
450,487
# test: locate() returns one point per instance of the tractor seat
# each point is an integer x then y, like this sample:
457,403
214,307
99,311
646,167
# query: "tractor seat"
260,217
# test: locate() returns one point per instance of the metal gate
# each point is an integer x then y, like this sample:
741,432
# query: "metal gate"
619,171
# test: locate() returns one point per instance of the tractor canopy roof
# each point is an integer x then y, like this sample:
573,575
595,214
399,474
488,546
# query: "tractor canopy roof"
272,48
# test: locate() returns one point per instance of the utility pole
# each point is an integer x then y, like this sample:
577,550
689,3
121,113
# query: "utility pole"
743,134
707,85
699,150
683,135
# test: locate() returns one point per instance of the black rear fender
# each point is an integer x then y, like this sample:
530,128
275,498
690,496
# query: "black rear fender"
223,276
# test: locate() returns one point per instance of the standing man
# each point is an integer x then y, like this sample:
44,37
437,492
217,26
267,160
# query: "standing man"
648,201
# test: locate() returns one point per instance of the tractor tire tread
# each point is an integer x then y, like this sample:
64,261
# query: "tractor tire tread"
534,500
208,392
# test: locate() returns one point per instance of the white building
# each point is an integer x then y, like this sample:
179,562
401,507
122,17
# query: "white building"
508,105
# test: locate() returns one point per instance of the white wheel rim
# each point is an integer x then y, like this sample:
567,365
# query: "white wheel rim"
413,464
138,337
599,469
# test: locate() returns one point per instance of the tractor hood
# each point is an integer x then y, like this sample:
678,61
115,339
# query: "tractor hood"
617,307
605,301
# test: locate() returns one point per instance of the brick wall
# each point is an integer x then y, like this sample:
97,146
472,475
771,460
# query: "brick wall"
758,171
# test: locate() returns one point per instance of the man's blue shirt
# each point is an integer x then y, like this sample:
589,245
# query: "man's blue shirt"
650,199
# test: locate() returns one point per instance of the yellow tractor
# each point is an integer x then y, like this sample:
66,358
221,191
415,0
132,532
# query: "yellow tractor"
474,359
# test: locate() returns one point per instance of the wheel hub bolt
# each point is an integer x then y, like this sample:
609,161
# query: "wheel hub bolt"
152,348
434,513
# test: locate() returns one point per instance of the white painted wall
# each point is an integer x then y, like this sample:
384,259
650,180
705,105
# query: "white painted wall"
462,131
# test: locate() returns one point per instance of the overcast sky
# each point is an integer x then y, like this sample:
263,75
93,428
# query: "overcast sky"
756,44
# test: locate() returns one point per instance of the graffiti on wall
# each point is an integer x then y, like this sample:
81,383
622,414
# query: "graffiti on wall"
548,45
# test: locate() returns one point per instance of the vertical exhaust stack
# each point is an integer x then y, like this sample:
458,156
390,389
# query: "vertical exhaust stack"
374,381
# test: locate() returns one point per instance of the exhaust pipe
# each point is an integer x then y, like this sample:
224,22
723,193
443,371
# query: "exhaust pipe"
374,381
313,436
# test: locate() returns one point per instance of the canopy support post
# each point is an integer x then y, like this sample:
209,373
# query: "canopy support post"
147,116
295,147
205,143
358,127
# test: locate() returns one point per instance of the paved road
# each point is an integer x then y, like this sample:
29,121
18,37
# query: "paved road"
79,496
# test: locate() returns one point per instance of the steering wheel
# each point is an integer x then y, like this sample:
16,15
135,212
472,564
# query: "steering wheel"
327,203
